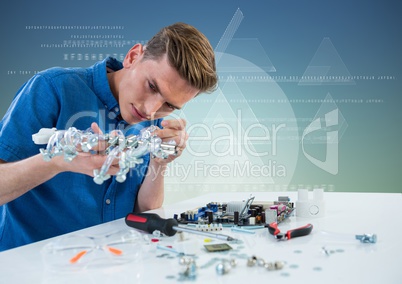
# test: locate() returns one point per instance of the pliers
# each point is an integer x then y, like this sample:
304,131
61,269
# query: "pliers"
298,232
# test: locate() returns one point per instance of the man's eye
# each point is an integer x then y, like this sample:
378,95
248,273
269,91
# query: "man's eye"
152,87
170,106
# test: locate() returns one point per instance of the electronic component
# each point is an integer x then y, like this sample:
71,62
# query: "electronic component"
217,247
239,213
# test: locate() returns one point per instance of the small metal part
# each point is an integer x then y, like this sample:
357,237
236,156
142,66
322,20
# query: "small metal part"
233,262
190,271
269,266
169,149
260,262
223,268
46,156
277,265
210,217
325,251
185,260
181,236
251,261
236,217
188,268
207,234
332,251
156,234
128,150
367,238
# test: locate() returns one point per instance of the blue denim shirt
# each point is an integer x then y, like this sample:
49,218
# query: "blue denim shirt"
61,98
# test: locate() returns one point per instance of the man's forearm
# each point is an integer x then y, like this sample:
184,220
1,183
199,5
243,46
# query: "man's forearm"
19,177
151,193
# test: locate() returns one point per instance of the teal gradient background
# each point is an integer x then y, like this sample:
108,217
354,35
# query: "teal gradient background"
365,35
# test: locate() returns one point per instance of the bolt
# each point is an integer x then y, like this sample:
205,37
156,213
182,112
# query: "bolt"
121,177
46,155
86,147
98,179
367,238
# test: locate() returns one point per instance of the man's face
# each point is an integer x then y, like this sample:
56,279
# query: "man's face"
150,89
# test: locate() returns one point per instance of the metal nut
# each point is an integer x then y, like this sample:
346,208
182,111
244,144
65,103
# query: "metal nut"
251,261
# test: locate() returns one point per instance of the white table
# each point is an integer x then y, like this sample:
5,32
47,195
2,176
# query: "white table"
348,260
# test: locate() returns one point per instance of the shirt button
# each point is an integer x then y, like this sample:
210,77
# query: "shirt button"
107,201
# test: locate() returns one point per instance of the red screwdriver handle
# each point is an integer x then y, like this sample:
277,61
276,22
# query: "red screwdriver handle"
150,222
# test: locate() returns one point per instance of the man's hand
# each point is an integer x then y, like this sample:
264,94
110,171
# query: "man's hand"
86,163
175,130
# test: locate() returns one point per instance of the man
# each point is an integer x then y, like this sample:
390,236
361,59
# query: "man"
44,199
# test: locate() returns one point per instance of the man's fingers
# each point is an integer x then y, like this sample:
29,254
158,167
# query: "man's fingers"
174,129
179,137
102,145
95,128
178,124
167,133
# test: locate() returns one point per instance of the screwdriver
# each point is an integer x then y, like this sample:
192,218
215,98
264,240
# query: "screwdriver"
150,222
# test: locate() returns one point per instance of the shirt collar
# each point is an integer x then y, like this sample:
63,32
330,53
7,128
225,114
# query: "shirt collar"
101,83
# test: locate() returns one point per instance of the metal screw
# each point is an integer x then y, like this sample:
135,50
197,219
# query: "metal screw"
367,238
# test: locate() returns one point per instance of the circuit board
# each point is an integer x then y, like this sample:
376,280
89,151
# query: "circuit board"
246,212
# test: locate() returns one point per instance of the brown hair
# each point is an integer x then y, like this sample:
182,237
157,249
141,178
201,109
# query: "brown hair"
188,51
